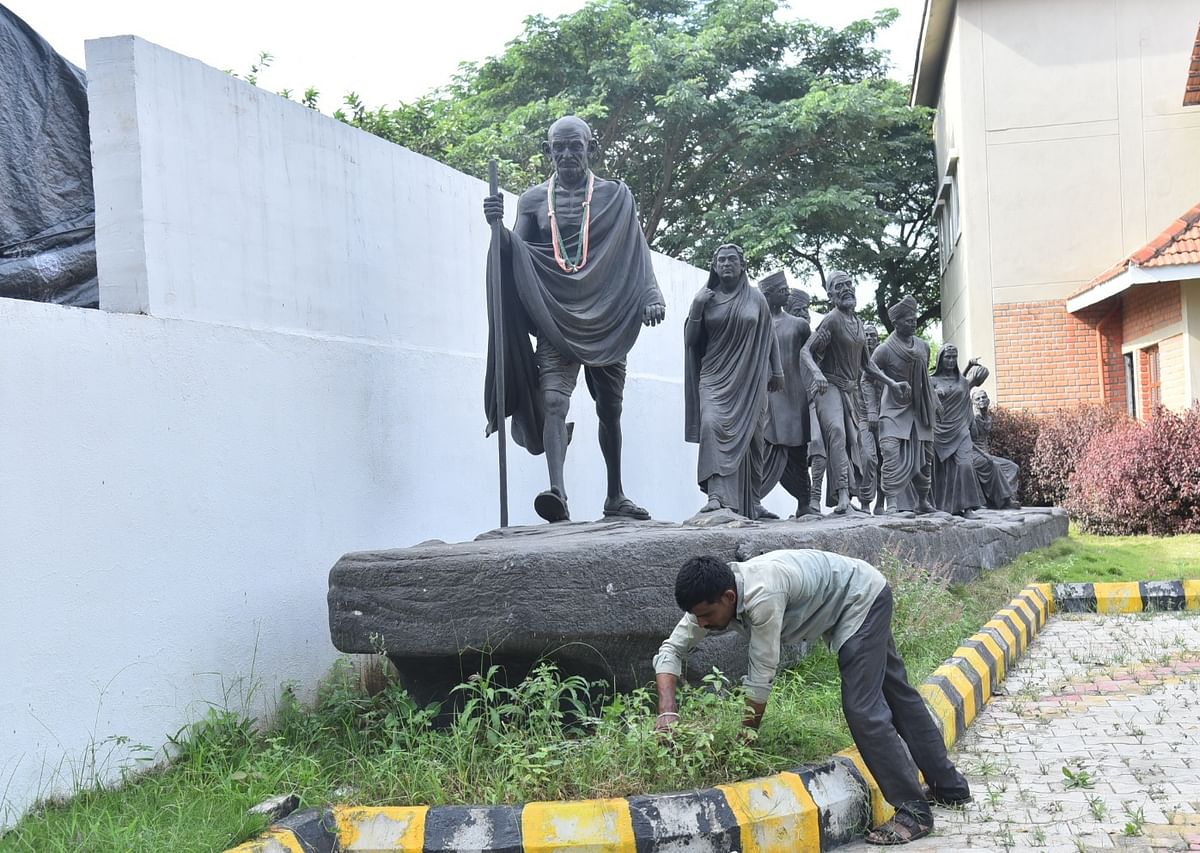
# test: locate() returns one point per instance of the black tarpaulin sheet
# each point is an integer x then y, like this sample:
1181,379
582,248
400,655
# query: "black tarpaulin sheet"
47,208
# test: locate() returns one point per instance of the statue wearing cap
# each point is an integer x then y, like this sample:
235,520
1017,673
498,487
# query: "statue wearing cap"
906,421
836,357
787,432
798,302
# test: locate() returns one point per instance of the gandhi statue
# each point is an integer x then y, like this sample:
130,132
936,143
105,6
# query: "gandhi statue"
576,274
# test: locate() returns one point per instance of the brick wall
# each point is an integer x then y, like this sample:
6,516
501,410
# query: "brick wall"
1047,358
1150,307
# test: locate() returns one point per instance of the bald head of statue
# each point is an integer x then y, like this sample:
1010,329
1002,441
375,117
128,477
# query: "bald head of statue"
570,146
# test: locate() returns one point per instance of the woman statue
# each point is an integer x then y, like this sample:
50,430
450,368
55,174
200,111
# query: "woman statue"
955,485
997,475
732,362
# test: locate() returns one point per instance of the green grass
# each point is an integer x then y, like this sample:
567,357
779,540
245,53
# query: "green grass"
1082,557
542,739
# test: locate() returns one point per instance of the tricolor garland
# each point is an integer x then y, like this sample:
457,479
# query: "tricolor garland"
567,264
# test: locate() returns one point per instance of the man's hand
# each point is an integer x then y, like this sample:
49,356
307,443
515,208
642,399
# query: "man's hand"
493,208
903,391
775,383
666,721
819,385
668,710
652,315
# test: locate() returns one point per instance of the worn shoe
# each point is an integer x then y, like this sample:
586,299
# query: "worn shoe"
950,801
901,829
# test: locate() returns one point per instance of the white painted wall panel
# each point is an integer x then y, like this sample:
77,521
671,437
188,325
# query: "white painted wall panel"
309,382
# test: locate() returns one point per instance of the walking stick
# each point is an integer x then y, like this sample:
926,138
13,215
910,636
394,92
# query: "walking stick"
493,275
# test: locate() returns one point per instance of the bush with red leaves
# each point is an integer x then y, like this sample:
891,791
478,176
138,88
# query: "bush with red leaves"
1047,446
1140,477
1062,439
1014,436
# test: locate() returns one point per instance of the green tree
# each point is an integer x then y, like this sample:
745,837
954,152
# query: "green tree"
726,122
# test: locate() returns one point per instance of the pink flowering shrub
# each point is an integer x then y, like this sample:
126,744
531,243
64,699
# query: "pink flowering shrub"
1061,441
1046,447
1014,436
1140,477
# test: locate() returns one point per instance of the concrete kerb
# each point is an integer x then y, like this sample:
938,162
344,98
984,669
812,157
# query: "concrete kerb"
805,810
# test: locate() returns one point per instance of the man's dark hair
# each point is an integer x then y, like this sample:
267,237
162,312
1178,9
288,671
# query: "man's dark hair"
701,581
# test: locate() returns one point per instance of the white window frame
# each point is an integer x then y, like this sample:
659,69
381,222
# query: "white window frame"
946,209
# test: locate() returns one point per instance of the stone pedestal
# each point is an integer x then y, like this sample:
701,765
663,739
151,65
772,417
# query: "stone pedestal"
598,597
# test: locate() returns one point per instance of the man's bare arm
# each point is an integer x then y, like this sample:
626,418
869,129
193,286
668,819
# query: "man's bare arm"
668,708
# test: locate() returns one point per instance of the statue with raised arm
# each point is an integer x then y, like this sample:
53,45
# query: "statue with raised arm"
906,422
731,364
576,274
787,433
998,477
955,486
836,357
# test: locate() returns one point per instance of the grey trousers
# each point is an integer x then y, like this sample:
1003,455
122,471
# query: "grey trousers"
888,718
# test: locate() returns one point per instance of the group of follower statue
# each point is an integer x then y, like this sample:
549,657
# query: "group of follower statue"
767,398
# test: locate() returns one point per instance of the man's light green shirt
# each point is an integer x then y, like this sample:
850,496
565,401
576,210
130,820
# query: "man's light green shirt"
785,597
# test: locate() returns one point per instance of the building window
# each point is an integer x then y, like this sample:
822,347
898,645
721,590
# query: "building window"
946,209
1153,379
1131,406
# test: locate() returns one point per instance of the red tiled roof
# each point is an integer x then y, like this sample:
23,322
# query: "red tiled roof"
1191,94
1178,244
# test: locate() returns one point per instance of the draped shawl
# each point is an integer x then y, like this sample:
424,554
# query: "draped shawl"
725,378
911,365
592,316
953,429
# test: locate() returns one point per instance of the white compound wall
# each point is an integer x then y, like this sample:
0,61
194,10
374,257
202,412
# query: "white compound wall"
288,366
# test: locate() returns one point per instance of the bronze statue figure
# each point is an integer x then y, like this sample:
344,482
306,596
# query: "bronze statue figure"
998,477
906,421
872,485
577,275
955,486
732,362
798,302
787,433
836,357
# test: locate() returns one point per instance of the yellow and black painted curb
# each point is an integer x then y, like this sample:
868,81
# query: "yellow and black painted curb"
1126,597
805,810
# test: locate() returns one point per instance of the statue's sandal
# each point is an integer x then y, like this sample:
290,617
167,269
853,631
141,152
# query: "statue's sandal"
551,506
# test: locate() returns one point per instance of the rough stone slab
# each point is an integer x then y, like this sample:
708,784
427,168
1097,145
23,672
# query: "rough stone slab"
598,597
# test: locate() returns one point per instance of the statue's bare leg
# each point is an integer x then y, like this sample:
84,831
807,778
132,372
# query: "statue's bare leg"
616,504
818,483
552,504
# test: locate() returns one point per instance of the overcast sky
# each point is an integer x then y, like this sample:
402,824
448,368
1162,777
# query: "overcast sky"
386,52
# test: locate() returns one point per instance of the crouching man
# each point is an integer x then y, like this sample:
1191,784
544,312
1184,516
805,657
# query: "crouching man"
788,596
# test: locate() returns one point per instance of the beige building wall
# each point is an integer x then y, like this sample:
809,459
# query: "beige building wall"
1073,147
1172,355
966,309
